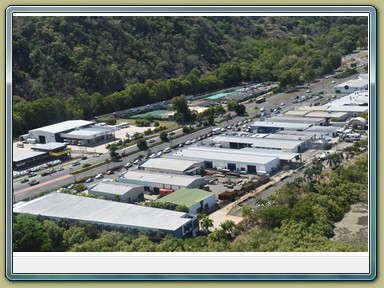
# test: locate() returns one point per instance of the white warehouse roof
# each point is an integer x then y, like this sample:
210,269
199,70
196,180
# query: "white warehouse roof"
160,178
169,164
60,205
249,151
63,126
259,142
114,188
225,155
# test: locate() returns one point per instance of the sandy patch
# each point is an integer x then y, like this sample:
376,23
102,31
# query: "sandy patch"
353,228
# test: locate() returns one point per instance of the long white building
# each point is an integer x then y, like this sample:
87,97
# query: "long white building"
109,213
231,159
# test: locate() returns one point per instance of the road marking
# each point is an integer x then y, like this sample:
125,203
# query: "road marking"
42,184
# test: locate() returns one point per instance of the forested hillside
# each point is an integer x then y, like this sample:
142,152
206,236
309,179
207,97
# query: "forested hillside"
114,63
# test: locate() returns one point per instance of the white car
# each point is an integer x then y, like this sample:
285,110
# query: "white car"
282,104
128,165
99,176
167,150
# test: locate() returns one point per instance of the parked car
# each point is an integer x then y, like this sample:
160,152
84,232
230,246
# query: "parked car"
89,180
167,150
34,182
151,140
71,186
128,165
84,157
99,176
24,180
109,172
171,133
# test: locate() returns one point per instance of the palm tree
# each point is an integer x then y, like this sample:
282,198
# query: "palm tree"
308,174
331,160
317,169
206,223
228,227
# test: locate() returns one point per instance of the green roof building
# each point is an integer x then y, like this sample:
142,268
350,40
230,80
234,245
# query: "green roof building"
197,200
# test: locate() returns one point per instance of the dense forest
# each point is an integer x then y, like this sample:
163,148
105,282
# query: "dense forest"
301,219
79,67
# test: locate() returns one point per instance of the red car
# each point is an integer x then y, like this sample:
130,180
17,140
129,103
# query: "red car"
109,172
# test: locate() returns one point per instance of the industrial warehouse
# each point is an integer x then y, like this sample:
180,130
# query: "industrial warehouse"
71,132
109,213
157,181
233,160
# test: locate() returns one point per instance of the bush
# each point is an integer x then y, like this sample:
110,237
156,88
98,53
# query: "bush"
108,121
156,124
143,123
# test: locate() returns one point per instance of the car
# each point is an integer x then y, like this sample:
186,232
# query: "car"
309,91
171,133
96,155
99,176
53,171
333,82
46,173
61,169
136,161
76,163
109,172
86,165
24,180
333,96
34,182
296,97
84,157
71,186
128,165
153,155
167,150
282,104
33,174
151,140
89,180
180,145
159,153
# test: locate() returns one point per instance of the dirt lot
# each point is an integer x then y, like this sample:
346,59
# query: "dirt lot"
353,228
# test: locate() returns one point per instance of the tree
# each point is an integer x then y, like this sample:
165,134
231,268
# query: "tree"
182,113
164,136
112,152
206,223
228,227
142,145
240,109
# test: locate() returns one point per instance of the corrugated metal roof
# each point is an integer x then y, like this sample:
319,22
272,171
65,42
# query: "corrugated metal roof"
60,205
63,126
262,142
229,155
169,164
161,178
26,156
115,188
250,151
285,125
187,197
49,146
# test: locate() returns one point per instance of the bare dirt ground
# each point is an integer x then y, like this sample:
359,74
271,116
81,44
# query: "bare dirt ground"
353,228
